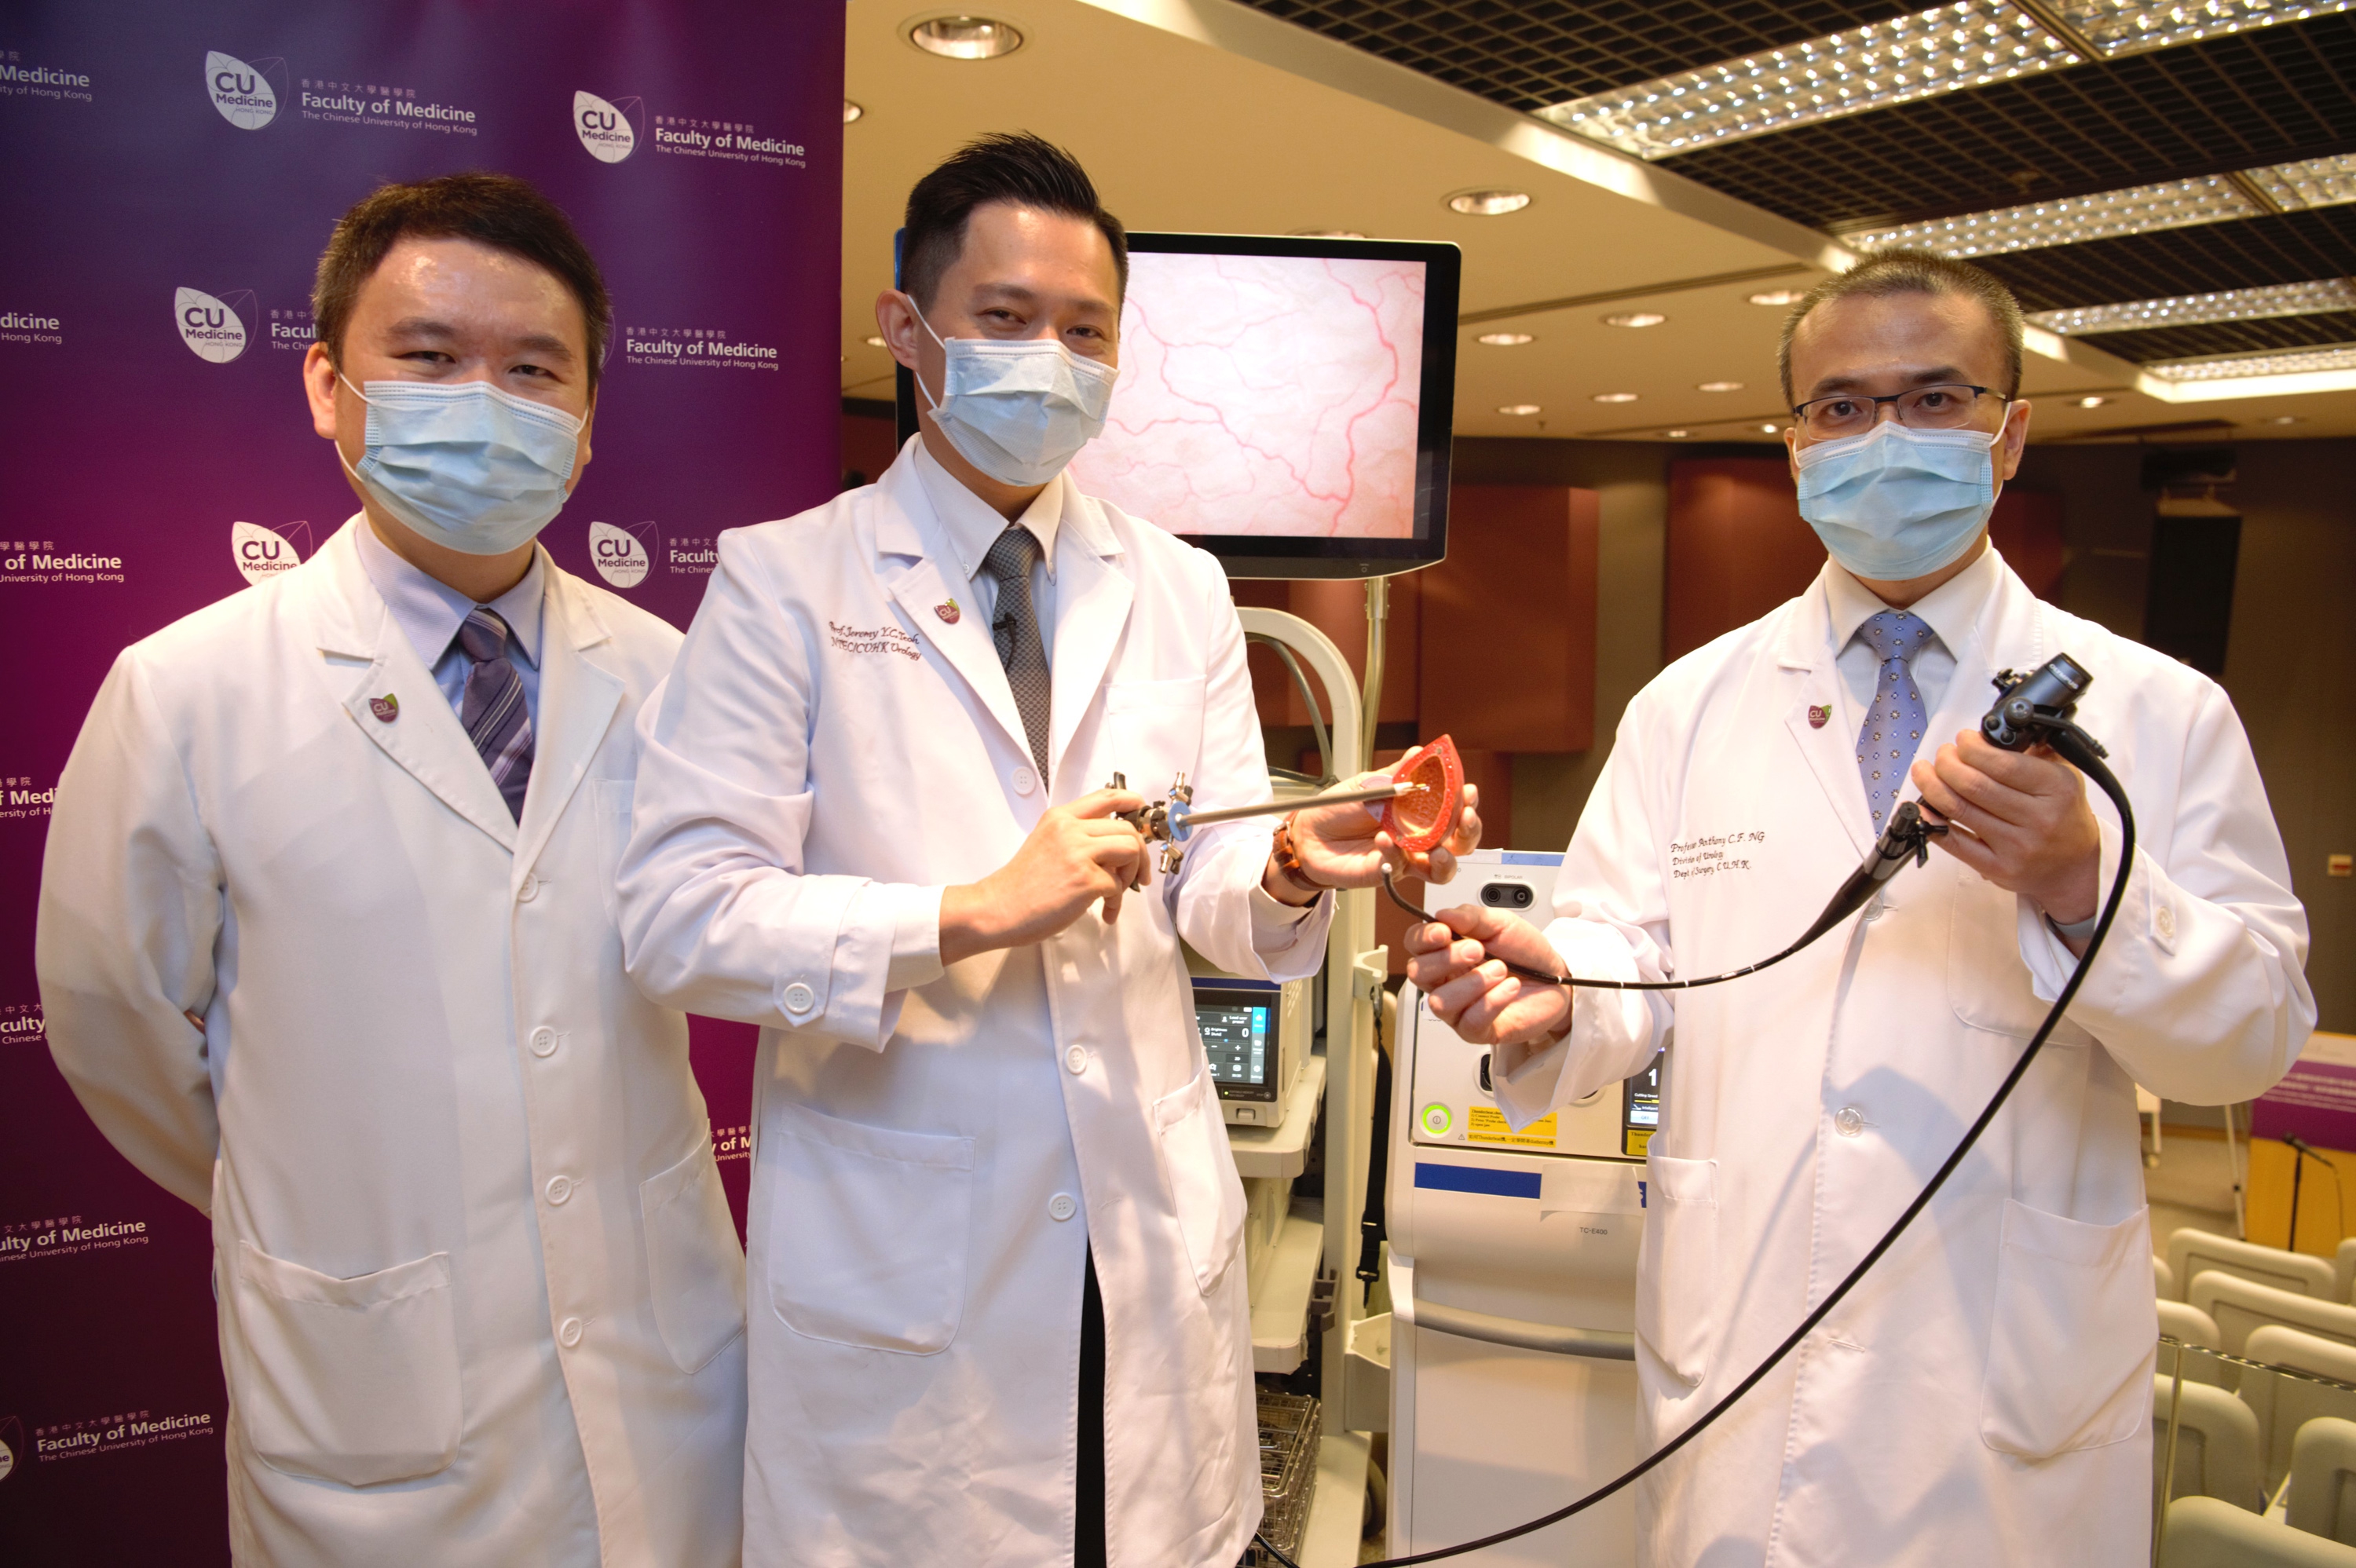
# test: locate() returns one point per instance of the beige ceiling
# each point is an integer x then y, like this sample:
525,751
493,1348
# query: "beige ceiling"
1182,134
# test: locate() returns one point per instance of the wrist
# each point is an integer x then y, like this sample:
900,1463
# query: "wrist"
1285,878
966,925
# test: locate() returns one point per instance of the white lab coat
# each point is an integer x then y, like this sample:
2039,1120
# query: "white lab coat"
932,1160
1984,1396
480,1298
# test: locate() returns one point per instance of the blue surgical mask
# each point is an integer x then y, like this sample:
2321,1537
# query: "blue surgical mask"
1897,502
464,464
1021,409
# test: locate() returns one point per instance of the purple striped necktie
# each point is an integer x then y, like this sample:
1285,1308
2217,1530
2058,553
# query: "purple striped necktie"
495,715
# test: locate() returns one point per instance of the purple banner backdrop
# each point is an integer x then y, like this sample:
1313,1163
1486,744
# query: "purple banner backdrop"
175,169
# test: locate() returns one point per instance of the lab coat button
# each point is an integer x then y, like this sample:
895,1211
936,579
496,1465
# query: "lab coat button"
543,1043
1025,781
530,889
2163,920
1849,1121
1076,1059
799,998
560,1188
568,1333
1062,1205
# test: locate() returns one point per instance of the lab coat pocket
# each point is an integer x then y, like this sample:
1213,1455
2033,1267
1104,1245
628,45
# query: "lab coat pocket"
612,800
868,1228
1986,977
694,1266
347,1380
1677,1286
2070,1350
1200,1170
1152,727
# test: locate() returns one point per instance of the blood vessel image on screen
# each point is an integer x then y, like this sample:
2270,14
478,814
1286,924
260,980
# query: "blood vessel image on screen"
1267,395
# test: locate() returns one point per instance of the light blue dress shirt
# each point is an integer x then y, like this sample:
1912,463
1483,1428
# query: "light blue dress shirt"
429,614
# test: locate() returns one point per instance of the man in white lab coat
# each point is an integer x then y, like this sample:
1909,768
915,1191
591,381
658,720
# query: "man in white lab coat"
1984,1396
328,948
998,1314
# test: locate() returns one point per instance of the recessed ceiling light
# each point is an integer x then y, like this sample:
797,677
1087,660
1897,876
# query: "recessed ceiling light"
2294,362
851,111
1488,203
1615,397
1779,296
1677,434
2193,310
2284,418
1770,429
1635,318
1720,387
2093,402
874,343
1507,339
1518,409
965,37
1327,234
1971,44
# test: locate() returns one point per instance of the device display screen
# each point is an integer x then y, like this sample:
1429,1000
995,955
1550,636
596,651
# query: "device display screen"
1238,1038
1644,1105
1266,395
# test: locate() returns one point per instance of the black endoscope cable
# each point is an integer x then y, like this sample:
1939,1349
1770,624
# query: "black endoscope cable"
2075,746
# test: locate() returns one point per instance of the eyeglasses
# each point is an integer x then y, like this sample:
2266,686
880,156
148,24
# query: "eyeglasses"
1948,405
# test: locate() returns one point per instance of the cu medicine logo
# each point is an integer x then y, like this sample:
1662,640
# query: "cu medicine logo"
608,130
623,556
244,92
210,326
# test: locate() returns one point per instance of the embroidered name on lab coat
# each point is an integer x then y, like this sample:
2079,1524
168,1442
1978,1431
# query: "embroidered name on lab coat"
872,640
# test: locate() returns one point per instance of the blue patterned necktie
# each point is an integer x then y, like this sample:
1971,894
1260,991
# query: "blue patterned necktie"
1015,630
494,712
1893,726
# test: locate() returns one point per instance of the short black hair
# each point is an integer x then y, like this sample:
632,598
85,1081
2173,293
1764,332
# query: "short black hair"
1020,169
497,210
1885,272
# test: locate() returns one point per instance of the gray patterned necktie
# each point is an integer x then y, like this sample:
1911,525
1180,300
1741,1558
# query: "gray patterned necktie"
1893,726
1015,629
496,718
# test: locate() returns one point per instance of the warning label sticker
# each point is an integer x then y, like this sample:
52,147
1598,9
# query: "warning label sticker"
1487,1124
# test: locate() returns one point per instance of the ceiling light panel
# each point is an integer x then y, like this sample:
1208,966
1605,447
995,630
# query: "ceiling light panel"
2139,210
1882,63
2336,357
2132,27
2314,182
2189,310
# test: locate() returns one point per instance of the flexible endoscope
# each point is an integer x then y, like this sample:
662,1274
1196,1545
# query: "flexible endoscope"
2037,709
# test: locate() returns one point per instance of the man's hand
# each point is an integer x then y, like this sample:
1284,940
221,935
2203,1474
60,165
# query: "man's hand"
1345,847
2021,821
1076,855
1449,960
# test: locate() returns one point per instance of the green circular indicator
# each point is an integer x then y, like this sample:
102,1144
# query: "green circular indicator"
1437,1121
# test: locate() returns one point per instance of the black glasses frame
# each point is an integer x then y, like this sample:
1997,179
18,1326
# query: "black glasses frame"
1800,410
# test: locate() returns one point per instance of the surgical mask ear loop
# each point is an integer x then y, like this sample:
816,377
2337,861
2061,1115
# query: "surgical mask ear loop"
916,374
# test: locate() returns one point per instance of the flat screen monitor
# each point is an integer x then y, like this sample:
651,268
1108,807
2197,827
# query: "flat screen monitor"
1285,404
1238,1023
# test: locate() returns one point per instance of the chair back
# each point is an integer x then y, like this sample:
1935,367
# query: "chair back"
2192,1252
2205,1533
2239,1308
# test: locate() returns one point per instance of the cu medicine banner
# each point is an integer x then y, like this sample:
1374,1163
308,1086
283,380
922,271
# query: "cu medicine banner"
173,171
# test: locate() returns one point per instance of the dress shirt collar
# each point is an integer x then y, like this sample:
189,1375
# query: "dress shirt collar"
971,526
430,613
1950,610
